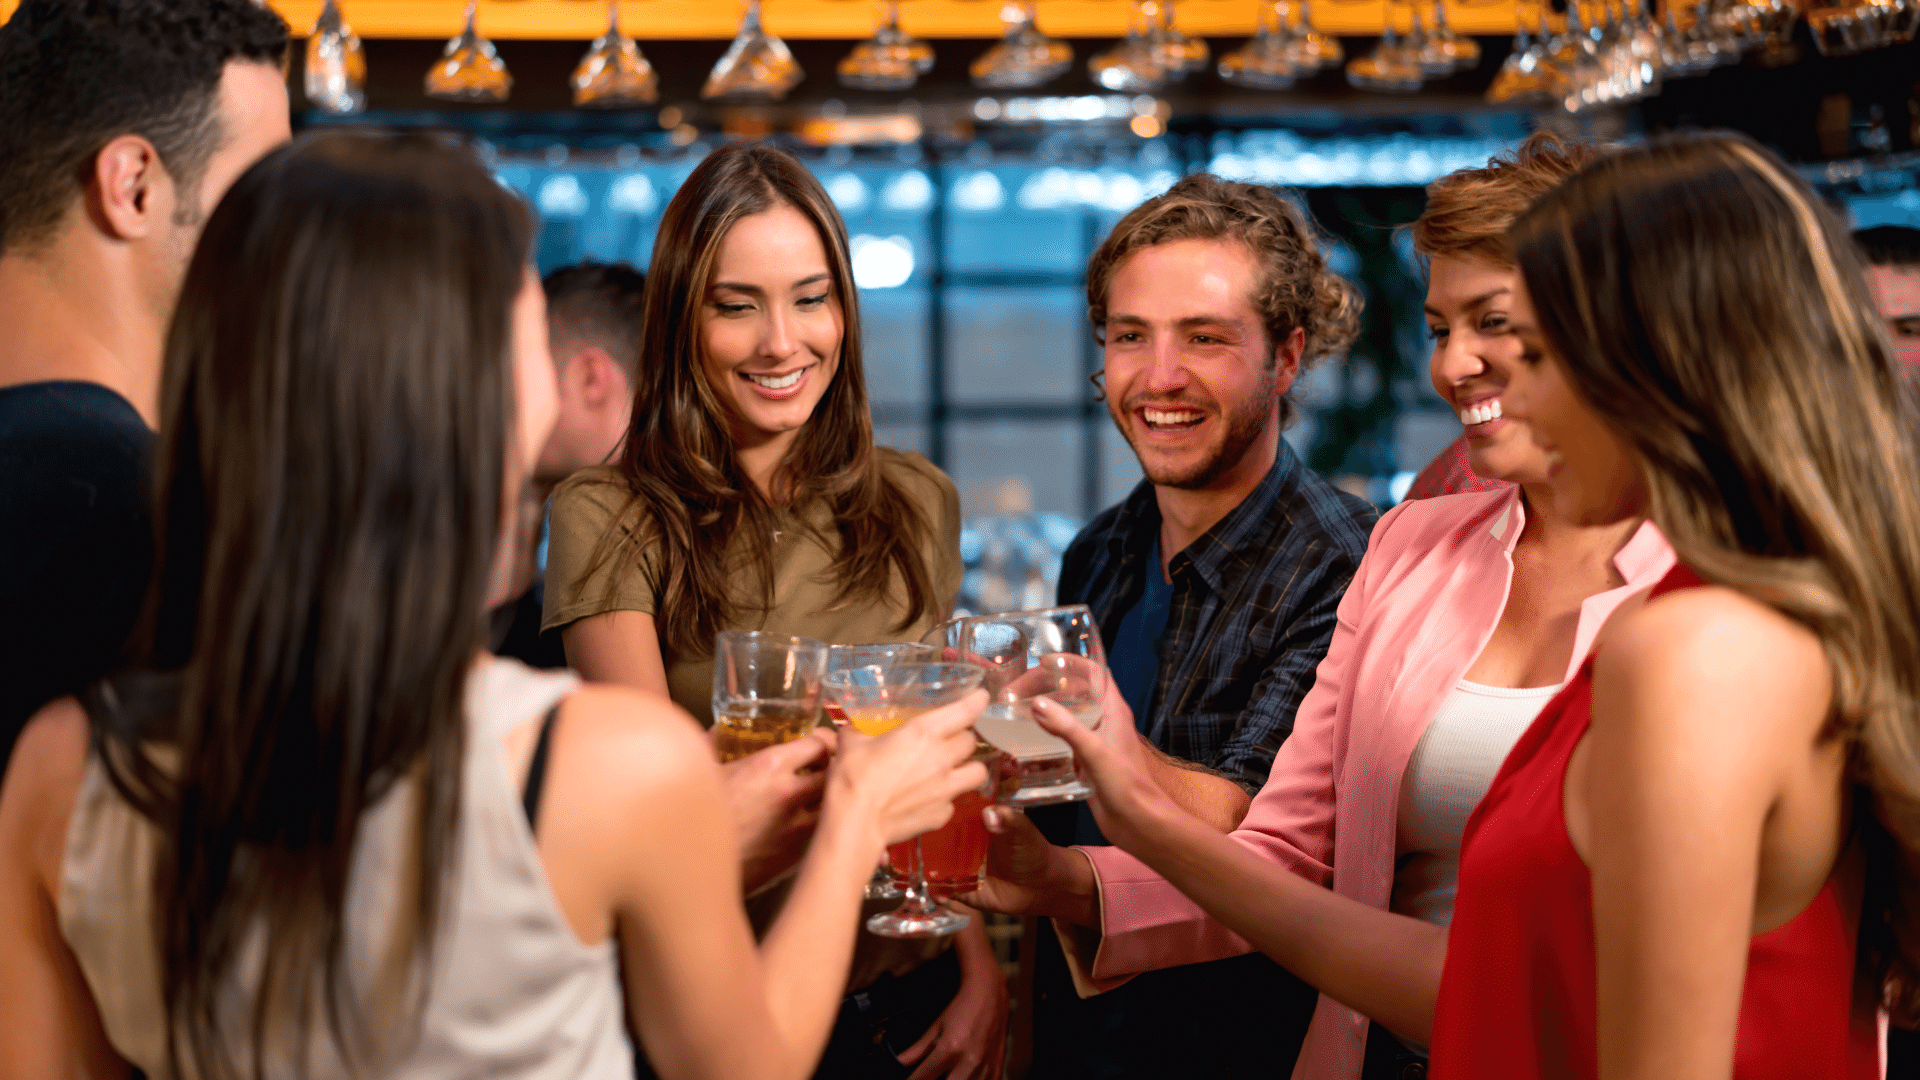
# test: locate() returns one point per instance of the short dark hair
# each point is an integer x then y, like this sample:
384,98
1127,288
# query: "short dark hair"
1889,245
600,303
76,74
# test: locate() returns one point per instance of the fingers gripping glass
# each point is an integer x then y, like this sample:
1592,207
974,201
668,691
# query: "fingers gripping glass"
766,690
1054,653
877,700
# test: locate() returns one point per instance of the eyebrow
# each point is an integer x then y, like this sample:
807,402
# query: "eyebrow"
738,286
1476,301
1188,322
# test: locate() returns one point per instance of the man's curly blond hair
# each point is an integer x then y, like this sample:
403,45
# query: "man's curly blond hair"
1295,289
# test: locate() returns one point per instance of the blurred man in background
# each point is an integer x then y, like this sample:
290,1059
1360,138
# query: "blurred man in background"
593,330
122,123
1893,274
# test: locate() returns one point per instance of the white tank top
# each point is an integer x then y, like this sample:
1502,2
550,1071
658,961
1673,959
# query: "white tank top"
1449,773
511,992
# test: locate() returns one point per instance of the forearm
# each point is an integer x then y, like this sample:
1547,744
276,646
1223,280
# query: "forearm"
971,945
1385,966
807,952
1199,791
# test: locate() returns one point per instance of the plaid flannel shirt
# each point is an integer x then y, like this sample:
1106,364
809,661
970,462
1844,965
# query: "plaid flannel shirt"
1254,601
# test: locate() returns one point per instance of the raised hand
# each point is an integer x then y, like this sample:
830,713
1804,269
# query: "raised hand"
775,798
910,776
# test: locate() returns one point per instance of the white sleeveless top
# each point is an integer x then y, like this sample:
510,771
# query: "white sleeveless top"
1449,773
511,992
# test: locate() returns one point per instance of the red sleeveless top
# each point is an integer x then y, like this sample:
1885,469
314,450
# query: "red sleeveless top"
1518,994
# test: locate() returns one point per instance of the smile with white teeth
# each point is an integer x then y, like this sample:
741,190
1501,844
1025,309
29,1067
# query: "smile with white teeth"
1481,413
776,382
1171,417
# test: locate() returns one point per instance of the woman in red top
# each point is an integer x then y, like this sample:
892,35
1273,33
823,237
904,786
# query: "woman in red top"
1690,866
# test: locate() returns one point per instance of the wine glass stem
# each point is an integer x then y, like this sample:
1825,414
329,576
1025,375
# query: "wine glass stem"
919,901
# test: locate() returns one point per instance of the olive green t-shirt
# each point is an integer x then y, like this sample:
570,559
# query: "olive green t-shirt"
805,602
806,597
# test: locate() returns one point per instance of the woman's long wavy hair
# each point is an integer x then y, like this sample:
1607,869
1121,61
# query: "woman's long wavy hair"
688,492
1712,312
333,448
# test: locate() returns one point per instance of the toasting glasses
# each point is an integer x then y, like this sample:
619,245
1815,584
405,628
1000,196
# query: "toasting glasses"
877,700
846,658
1053,653
470,69
766,690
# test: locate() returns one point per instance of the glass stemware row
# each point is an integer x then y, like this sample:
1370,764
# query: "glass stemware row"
1400,64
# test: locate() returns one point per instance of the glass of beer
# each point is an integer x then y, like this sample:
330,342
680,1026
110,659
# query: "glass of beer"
766,690
1054,653
877,700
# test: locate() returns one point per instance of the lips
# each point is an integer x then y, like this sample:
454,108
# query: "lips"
777,386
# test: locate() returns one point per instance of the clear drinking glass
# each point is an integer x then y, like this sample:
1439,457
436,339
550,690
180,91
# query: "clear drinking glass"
1271,59
336,77
756,67
1025,57
613,74
846,657
1133,66
766,690
889,61
877,700
470,69
1054,653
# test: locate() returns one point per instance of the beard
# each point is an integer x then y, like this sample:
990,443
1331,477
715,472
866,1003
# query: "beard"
1242,425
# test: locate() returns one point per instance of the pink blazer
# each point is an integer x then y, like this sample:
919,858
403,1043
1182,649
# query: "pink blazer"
1420,609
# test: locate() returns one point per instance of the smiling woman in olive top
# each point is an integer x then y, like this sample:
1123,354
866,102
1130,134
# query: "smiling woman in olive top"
749,495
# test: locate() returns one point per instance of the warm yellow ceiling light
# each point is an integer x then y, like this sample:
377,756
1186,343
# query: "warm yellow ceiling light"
648,20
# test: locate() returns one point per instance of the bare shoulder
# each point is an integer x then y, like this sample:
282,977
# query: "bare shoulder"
628,743
1710,652
43,780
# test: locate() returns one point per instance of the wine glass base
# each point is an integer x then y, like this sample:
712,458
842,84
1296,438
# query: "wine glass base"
1049,794
882,890
936,923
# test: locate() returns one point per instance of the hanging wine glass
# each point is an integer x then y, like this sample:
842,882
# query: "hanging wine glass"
891,61
1132,66
1464,52
336,76
1649,49
1316,49
1024,58
470,69
1389,68
1178,53
756,67
613,74
1427,54
1526,76
1270,60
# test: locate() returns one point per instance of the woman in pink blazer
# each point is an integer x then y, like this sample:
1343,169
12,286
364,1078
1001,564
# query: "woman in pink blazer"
1466,615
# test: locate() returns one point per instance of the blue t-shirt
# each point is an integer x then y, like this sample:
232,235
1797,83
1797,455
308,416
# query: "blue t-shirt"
1136,644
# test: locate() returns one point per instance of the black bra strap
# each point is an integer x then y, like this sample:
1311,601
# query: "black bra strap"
537,772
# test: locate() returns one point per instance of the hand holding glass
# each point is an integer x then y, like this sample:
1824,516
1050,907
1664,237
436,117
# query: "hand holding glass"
1063,660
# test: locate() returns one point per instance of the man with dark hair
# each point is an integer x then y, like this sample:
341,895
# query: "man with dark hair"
122,122
1893,273
1215,585
593,331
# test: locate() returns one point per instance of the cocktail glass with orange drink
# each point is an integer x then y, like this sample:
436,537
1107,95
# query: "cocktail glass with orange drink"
876,700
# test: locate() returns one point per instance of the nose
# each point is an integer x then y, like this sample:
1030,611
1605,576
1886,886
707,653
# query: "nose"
1166,370
1458,359
778,341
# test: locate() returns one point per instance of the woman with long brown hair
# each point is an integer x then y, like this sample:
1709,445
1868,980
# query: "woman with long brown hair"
1667,878
750,495
316,831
